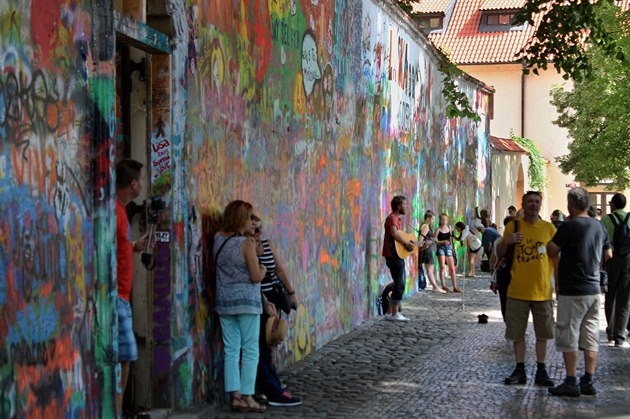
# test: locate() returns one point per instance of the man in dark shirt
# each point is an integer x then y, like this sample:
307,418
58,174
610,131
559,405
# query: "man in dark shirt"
580,242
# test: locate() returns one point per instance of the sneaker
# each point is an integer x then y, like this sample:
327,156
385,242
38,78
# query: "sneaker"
285,399
518,377
622,344
587,387
398,317
542,378
565,389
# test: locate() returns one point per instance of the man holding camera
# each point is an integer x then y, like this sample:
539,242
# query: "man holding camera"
128,188
580,243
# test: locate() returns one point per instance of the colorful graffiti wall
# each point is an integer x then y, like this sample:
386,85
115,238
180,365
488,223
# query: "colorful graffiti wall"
319,112
316,111
56,311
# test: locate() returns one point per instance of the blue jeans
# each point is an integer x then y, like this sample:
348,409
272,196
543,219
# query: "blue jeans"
445,250
267,379
240,332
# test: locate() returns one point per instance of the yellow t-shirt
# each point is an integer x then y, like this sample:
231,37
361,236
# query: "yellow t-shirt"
531,266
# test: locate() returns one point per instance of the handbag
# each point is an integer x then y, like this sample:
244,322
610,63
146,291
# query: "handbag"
453,247
503,273
279,296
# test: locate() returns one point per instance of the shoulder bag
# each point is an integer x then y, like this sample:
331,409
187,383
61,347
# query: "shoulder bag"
502,273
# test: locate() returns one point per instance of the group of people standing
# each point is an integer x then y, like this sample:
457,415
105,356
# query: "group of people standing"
586,257
576,252
430,243
246,270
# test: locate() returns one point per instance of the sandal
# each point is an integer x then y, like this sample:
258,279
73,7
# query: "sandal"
239,405
253,406
446,289
455,289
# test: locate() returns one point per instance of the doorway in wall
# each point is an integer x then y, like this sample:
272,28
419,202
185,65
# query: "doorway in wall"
142,106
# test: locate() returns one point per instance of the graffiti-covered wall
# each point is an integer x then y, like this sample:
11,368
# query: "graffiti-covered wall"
56,301
319,112
316,111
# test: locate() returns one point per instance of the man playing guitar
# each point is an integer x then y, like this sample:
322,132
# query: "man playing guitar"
394,233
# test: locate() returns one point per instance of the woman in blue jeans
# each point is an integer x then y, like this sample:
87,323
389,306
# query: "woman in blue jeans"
239,304
444,241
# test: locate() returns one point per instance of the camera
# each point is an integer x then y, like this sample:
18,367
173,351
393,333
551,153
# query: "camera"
153,205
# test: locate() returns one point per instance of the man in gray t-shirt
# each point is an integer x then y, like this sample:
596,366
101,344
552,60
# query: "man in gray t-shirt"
581,242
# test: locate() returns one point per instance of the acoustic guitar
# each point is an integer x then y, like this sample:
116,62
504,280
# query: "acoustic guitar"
400,248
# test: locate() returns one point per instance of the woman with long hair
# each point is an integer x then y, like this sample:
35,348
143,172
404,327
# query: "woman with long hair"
426,254
445,252
239,304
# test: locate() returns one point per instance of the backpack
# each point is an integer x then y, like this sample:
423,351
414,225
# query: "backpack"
621,234
385,298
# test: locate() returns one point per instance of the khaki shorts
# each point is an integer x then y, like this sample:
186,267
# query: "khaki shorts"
517,315
578,323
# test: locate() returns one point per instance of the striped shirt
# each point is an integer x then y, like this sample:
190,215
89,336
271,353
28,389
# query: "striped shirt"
269,262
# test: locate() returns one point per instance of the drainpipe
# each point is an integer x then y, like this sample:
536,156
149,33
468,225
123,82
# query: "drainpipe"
522,102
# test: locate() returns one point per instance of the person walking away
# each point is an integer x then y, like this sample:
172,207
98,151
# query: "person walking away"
396,265
128,188
580,243
530,288
239,304
473,244
426,255
617,302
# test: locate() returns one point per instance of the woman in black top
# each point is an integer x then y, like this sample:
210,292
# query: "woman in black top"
426,254
445,252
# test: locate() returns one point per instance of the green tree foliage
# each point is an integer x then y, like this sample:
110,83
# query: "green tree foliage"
568,29
536,169
596,112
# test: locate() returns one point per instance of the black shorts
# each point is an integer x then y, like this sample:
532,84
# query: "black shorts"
477,250
426,257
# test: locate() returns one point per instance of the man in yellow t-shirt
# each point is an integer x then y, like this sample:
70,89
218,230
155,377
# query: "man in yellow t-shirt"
530,288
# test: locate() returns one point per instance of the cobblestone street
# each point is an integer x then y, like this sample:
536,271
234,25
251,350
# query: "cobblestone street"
441,364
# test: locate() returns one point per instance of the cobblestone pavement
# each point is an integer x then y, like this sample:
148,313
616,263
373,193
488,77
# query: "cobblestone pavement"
441,364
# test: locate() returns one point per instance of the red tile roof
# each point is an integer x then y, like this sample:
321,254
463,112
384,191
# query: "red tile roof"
506,144
461,38
501,4
430,6
463,42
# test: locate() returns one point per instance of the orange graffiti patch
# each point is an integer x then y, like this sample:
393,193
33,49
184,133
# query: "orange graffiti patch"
325,258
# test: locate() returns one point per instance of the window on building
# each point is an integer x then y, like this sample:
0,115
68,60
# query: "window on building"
431,22
502,20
